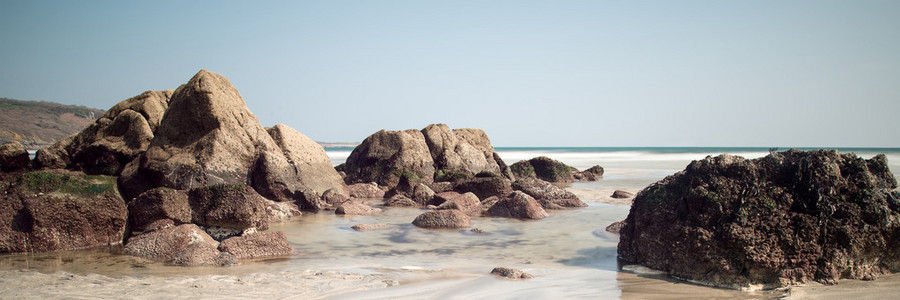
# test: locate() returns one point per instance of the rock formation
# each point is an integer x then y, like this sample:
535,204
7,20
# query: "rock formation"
548,195
433,153
184,245
786,218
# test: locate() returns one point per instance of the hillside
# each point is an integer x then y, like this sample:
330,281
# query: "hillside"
39,124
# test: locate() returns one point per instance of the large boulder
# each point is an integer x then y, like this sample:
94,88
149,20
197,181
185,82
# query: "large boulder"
206,137
518,205
433,153
60,210
484,187
543,168
547,194
13,156
786,218
184,245
386,156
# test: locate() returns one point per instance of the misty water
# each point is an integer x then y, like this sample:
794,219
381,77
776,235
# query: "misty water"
569,253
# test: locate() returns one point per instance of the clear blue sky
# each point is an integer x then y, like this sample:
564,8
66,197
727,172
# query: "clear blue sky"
530,73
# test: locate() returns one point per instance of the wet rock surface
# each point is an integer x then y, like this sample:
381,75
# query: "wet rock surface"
787,218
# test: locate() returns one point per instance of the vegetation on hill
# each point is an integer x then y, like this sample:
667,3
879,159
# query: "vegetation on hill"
39,124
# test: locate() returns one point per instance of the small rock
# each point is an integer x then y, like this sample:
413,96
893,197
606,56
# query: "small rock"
443,219
509,273
620,194
615,227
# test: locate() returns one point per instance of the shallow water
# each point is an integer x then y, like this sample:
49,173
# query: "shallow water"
569,253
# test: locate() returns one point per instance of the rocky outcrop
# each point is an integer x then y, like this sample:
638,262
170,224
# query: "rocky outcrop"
159,204
257,245
547,169
548,195
443,219
13,156
484,187
183,245
433,153
59,210
786,218
517,205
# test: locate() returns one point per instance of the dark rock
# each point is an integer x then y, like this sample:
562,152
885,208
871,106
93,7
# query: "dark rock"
619,194
485,187
786,218
518,205
184,245
509,273
231,206
13,156
443,219
422,194
365,190
158,204
548,195
257,245
356,208
468,203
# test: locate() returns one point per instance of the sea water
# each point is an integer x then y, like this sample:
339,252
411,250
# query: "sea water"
569,253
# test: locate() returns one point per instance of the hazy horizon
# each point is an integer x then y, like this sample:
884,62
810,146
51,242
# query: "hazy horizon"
529,73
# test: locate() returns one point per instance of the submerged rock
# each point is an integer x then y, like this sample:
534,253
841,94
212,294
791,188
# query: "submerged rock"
510,273
786,218
619,194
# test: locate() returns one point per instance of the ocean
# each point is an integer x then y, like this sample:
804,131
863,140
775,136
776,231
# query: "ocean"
569,253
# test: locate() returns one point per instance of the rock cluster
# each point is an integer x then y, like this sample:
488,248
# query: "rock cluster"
194,156
786,218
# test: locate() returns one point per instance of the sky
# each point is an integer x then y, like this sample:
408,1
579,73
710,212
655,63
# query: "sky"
529,73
